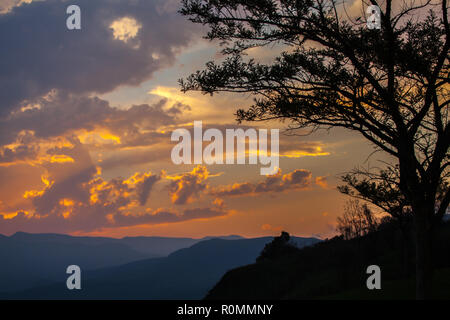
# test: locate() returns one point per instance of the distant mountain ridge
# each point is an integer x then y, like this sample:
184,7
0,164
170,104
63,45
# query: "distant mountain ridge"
153,245
29,260
187,273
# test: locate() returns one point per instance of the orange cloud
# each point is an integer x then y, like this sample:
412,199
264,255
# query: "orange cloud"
61,158
267,227
322,182
295,180
302,153
121,193
162,216
117,202
293,147
67,207
188,186
36,193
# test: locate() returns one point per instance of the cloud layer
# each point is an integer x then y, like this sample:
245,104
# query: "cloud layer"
295,180
38,53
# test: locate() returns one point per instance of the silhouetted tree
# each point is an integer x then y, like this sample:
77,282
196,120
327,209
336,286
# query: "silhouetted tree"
357,220
390,85
279,247
382,188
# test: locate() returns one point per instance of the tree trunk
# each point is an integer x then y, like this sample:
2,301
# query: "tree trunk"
424,262
405,252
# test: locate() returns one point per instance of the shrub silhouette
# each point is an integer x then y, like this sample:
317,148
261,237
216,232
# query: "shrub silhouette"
279,247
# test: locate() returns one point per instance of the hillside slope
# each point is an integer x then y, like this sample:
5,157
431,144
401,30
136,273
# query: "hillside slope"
336,269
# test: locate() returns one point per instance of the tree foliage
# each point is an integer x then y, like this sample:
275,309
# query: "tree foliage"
390,85
279,247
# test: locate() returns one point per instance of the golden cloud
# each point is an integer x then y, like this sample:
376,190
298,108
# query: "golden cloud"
278,182
125,28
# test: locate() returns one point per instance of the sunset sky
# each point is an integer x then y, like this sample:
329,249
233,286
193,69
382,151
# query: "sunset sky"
86,118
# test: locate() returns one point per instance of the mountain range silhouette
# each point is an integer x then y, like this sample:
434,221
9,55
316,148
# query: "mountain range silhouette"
34,265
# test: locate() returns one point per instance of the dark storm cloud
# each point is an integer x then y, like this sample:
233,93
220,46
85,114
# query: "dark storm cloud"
38,53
